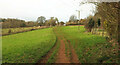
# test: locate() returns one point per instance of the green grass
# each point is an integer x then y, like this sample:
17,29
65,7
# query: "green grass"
5,31
52,57
15,30
27,47
89,48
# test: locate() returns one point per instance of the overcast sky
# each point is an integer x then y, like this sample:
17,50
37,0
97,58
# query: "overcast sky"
30,10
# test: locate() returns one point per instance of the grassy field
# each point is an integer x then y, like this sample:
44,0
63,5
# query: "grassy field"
13,30
27,47
52,57
17,30
30,47
90,48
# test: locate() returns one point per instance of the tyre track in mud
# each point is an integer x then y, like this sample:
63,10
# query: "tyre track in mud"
45,58
61,57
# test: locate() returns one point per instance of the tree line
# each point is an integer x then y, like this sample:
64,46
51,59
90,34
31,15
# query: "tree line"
74,21
107,18
41,21
16,23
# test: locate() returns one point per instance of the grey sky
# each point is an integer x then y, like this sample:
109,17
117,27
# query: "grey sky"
31,9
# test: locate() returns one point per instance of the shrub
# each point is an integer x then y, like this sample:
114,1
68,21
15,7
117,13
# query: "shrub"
89,25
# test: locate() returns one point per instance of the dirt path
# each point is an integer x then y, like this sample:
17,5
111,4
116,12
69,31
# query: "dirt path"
74,57
61,57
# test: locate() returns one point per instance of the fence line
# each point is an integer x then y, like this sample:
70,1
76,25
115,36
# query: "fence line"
99,31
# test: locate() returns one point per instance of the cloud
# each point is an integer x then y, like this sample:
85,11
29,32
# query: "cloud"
31,9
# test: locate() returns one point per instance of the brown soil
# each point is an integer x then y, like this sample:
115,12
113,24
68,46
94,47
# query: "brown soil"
74,57
61,57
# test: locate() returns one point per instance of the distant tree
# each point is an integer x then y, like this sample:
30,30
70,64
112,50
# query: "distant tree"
12,23
56,19
81,21
31,24
1,20
47,23
41,20
23,25
73,18
61,23
16,23
52,21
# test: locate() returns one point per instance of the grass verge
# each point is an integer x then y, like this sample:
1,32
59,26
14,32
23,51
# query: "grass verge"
27,47
90,48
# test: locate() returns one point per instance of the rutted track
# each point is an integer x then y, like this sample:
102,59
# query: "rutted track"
47,56
61,56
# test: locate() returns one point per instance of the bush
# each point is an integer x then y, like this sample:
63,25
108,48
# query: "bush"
89,25
23,25
9,31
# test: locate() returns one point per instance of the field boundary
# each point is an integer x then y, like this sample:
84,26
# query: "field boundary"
23,31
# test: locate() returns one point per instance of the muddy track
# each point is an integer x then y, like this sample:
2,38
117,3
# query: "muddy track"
61,57
74,57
